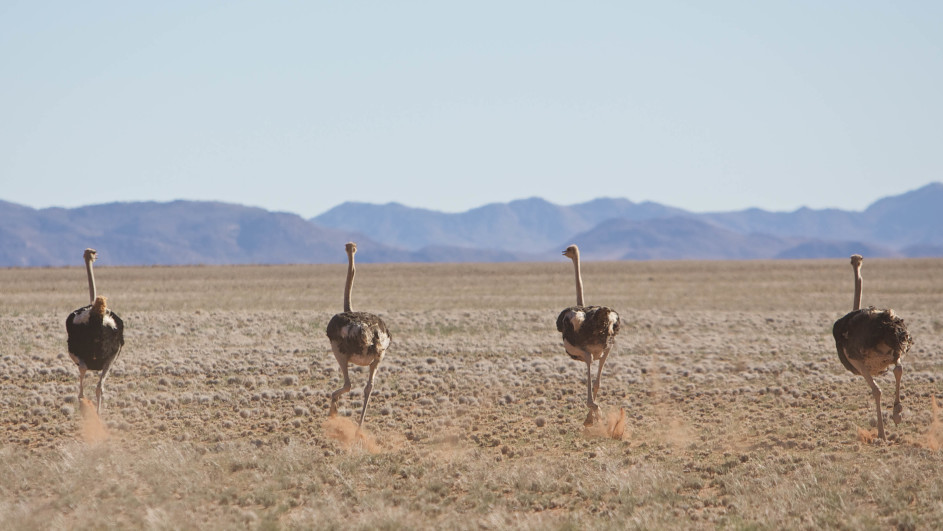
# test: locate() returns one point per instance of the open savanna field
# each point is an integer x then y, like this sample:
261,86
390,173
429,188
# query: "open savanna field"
738,413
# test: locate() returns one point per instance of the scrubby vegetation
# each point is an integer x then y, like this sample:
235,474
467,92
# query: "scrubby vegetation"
738,413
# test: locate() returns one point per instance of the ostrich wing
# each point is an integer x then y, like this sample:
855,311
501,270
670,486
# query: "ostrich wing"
861,331
588,325
359,332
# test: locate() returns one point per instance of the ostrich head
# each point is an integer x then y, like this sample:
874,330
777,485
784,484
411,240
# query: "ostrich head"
90,255
856,260
351,248
572,252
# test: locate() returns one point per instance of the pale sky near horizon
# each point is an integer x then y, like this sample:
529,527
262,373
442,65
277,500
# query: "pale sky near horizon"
300,106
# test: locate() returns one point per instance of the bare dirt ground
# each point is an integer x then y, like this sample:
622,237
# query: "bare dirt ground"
737,412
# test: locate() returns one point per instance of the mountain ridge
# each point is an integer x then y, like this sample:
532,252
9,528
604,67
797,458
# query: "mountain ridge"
212,232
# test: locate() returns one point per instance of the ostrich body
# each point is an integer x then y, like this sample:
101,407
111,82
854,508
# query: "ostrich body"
360,338
869,341
589,333
96,335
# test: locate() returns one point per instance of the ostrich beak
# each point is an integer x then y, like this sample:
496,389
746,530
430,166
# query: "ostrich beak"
564,253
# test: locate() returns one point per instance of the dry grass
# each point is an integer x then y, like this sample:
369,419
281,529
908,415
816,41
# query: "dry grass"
737,412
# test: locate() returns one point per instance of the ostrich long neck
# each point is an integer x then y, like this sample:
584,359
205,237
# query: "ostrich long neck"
91,281
579,281
350,281
857,287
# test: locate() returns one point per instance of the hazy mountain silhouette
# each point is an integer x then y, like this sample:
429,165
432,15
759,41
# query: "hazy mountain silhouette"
675,238
524,226
179,232
912,218
196,232
903,225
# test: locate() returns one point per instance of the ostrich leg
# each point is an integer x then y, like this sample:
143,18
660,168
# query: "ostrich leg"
602,361
82,370
898,409
875,392
342,361
367,390
100,389
593,415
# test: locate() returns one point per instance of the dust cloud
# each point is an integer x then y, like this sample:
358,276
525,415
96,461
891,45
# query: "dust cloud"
867,436
933,438
612,428
91,429
345,431
935,433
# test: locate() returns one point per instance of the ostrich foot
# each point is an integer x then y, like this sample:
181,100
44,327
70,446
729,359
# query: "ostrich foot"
896,417
333,411
592,417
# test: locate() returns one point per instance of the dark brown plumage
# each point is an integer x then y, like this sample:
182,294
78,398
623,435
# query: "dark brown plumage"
348,329
356,337
597,331
869,341
869,330
589,333
96,335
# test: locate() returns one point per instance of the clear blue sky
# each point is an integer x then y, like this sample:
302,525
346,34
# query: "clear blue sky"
299,106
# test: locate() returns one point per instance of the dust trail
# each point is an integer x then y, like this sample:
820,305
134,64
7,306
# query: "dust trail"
92,428
670,425
344,431
867,436
616,423
935,433
678,433
933,438
613,427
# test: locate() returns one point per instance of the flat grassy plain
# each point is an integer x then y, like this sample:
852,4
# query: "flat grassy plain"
738,413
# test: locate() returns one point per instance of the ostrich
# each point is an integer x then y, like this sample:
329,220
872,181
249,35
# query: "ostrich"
356,337
589,332
96,335
868,342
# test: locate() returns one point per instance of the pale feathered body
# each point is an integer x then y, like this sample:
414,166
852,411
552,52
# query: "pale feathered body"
360,336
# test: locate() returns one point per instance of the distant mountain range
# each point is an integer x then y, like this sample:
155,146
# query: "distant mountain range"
906,225
196,232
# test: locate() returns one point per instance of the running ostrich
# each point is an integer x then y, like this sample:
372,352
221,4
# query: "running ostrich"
868,342
589,333
96,335
356,337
